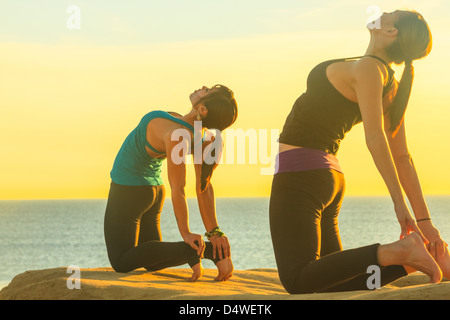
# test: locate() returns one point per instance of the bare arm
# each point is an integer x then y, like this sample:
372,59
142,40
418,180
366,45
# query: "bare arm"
411,184
177,180
368,86
206,202
407,173
207,206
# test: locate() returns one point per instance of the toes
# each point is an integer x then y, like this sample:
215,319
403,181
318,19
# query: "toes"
198,272
223,276
219,277
195,277
228,277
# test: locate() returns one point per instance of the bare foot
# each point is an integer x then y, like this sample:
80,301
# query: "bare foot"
409,270
225,268
198,272
410,252
444,263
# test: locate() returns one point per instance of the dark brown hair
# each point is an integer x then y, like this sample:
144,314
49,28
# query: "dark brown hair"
414,41
222,108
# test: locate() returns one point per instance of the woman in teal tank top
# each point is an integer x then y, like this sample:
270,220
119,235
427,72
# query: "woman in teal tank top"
131,226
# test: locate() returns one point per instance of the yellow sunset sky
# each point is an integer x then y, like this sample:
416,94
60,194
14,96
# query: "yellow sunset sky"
69,97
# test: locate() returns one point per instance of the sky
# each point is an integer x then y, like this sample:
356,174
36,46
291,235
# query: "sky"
72,89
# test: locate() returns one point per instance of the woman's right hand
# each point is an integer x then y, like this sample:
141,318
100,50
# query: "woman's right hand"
436,247
407,222
196,242
221,247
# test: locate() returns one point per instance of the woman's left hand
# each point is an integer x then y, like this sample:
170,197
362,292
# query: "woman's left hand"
221,245
436,245
407,223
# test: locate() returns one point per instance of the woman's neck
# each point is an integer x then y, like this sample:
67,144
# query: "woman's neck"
375,50
191,117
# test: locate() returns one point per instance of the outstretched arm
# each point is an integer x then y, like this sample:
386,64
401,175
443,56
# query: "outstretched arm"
177,180
368,84
207,206
411,185
206,203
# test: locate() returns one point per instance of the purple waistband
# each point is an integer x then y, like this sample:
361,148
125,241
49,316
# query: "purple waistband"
303,159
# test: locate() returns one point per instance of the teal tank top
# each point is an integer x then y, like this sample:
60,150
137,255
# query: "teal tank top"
133,165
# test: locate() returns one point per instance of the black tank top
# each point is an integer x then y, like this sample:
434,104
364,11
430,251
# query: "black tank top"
322,116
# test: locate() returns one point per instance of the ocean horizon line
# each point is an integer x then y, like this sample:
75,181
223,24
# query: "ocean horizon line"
217,198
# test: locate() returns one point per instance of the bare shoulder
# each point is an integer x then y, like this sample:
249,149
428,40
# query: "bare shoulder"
368,69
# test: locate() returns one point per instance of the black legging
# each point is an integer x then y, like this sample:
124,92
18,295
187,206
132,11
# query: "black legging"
133,235
304,209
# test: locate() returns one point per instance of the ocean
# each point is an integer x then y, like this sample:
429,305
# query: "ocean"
40,234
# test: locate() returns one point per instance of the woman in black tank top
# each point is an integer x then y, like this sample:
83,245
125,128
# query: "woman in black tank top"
305,203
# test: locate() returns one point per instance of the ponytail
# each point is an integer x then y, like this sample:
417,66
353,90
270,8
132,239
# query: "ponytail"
398,109
414,41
